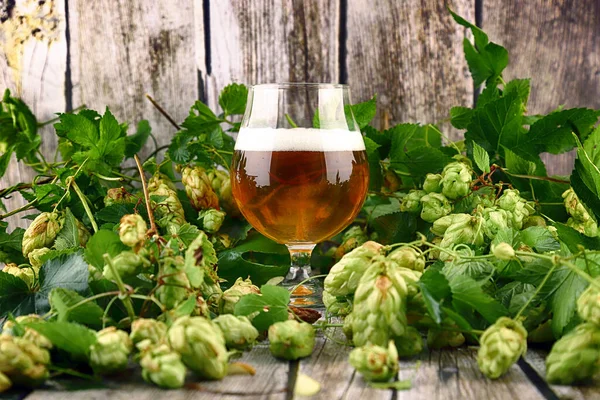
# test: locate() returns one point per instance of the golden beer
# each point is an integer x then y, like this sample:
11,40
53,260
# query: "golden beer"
299,185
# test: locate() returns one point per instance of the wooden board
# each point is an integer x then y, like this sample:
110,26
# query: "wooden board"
410,54
556,44
269,41
35,71
121,50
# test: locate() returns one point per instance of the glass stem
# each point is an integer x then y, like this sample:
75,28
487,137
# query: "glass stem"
300,266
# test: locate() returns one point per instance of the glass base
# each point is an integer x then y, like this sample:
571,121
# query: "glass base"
306,294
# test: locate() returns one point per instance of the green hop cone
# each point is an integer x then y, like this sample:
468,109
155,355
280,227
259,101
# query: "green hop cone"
464,232
42,232
347,326
588,304
118,196
352,238
379,312
495,219
5,383
408,257
201,345
35,257
30,334
163,367
435,206
238,331
221,184
148,329
132,230
127,264
24,363
211,220
391,181
344,276
501,345
412,201
588,228
26,274
82,232
433,183
575,207
574,357
339,306
409,344
198,188
456,180
168,211
231,296
503,251
200,261
291,339
174,284
442,224
375,363
535,220
110,353
518,208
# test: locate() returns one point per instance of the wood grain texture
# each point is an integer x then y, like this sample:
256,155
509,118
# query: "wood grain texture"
537,360
35,71
410,54
269,41
557,44
121,50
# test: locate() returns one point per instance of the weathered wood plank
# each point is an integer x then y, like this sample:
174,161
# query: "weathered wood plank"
329,366
121,50
270,382
410,54
537,360
33,54
270,41
556,44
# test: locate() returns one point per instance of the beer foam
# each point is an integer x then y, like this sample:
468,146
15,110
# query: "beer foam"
299,139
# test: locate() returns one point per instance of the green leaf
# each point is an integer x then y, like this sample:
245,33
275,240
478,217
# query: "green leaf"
507,292
67,272
481,271
481,158
563,300
539,238
201,119
71,337
364,112
178,149
103,242
466,290
186,233
375,174
233,99
435,288
585,178
62,302
271,306
135,142
68,237
10,246
573,239
460,117
420,161
519,87
113,213
15,296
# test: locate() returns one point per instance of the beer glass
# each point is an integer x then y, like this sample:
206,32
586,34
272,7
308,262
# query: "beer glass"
300,171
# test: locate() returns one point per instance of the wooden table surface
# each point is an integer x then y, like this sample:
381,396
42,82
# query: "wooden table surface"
445,374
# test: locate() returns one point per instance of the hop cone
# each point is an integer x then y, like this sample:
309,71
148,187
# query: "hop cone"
148,329
412,201
409,344
163,367
575,357
82,232
198,188
232,295
391,181
468,232
239,332
30,334
503,251
442,224
212,219
132,230
175,285
118,196
407,257
435,206
344,276
22,361
291,339
433,183
494,220
111,352
201,345
200,258
42,232
347,327
575,207
35,257
588,228
126,263
501,345
221,184
379,312
456,180
5,383
588,304
353,238
169,211
517,207
336,305
375,363
26,274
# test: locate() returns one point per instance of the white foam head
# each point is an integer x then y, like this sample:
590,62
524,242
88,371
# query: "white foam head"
299,139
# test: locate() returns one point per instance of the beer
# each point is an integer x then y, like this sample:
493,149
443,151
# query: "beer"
299,185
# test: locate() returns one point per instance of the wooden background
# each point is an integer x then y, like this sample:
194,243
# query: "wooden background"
111,52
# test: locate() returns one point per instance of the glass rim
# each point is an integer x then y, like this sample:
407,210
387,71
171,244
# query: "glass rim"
288,85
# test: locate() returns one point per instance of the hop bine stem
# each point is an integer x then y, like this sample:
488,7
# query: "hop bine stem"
125,297
153,230
86,206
